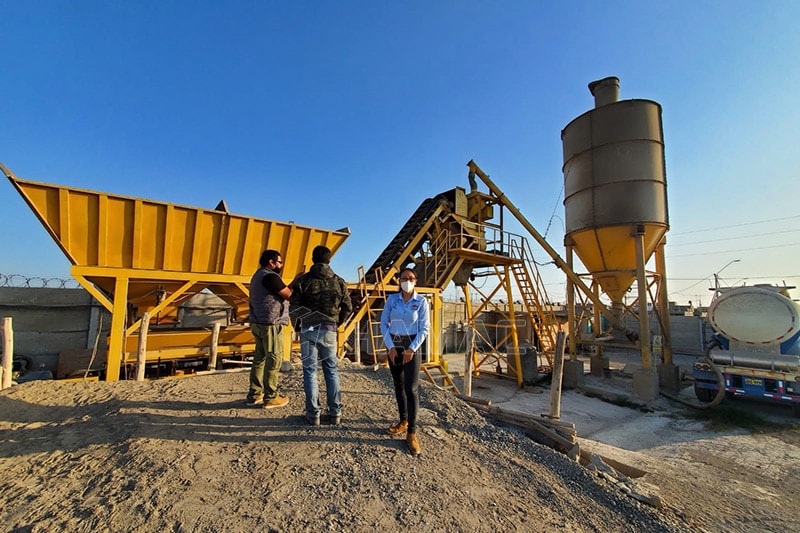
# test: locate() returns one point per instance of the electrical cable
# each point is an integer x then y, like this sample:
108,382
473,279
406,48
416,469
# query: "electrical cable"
704,230
96,342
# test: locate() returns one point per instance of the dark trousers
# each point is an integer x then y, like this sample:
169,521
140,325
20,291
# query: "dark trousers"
406,381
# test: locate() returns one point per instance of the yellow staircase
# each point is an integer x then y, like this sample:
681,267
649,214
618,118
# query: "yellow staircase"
534,298
442,379
374,300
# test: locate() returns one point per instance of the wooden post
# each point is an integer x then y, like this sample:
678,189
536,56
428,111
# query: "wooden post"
212,364
555,385
8,352
141,354
357,343
468,364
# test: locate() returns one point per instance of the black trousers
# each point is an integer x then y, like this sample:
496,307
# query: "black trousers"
406,381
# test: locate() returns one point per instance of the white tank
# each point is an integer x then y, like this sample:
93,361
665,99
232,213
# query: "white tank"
755,316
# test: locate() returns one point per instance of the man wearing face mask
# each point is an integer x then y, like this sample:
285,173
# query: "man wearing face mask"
269,313
404,326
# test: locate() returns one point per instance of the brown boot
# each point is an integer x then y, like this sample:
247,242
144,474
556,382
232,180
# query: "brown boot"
413,444
400,427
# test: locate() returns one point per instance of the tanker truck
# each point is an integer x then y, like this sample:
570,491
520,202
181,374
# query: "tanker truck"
755,349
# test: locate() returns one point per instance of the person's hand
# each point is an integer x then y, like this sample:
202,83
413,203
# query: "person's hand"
392,355
408,355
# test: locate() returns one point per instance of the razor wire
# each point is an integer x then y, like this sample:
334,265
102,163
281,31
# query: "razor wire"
37,282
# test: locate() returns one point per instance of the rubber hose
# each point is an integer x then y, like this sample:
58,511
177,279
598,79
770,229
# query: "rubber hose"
720,381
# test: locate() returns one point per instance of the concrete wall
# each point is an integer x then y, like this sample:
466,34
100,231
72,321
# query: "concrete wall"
689,333
47,322
687,336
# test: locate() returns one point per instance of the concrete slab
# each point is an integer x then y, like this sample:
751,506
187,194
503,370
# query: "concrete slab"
605,410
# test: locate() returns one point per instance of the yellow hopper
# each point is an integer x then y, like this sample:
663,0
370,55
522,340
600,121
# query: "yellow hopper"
153,255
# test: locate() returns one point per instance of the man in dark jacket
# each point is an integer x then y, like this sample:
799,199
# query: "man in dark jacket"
320,303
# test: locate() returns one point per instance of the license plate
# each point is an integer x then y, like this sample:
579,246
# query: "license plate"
751,381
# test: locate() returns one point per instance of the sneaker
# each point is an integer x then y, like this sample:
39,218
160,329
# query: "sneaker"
312,419
413,444
400,427
254,402
277,401
336,420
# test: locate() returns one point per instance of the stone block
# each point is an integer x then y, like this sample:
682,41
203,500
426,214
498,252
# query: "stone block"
645,384
573,374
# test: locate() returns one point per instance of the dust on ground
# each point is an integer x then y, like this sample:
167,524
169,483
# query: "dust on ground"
187,455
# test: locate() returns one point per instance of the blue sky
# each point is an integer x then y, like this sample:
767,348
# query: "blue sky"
350,113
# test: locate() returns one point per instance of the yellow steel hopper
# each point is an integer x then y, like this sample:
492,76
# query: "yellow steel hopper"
153,255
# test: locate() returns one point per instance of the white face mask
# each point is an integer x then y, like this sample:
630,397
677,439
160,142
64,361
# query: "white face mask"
407,286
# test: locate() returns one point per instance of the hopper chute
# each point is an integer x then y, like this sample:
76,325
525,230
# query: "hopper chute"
153,255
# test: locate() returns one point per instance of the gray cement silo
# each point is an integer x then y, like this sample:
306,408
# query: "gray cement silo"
614,185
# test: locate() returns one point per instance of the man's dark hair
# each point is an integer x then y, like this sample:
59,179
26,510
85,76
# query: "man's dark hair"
321,254
267,256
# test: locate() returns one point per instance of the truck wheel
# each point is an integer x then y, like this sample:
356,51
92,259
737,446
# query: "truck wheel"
704,395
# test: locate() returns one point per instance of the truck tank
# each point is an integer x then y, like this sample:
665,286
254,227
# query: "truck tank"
756,349
759,326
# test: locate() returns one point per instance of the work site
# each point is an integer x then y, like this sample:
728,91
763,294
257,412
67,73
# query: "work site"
123,390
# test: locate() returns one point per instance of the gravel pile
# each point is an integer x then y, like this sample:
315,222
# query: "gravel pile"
186,455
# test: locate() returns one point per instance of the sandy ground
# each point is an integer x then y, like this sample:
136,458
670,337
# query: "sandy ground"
731,468
187,455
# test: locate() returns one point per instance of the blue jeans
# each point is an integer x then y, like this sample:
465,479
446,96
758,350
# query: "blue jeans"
320,344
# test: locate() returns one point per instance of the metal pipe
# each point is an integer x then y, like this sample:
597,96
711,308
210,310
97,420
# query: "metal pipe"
765,361
605,91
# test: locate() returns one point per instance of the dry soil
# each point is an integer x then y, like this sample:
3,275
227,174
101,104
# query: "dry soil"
187,455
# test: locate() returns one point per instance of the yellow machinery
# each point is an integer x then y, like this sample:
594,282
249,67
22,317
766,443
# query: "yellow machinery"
451,238
135,255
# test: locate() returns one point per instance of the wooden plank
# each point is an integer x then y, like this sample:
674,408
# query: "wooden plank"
8,352
141,353
556,377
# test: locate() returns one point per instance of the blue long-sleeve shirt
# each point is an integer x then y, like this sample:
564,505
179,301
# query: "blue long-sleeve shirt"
411,318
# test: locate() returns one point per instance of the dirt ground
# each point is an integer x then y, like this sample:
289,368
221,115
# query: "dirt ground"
187,455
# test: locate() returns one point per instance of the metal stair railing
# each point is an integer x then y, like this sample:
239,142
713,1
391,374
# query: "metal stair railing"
441,260
534,296
371,294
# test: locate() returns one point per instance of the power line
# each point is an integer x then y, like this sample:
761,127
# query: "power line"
737,250
737,225
672,245
553,215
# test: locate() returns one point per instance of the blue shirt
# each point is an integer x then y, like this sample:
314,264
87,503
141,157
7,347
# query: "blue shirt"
411,318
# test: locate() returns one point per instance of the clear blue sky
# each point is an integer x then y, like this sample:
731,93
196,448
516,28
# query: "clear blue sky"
335,114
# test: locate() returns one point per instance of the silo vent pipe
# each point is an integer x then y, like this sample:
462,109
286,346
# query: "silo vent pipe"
605,91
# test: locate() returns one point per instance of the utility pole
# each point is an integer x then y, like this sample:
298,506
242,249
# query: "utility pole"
717,273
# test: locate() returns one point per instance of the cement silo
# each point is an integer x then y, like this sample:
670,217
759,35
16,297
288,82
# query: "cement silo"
614,185
615,201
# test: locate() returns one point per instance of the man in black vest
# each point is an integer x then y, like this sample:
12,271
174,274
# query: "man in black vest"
320,303
269,313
